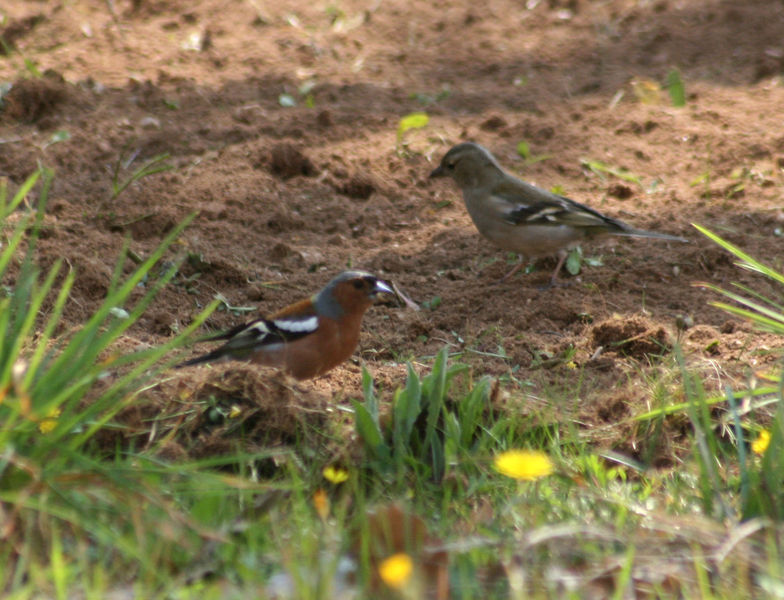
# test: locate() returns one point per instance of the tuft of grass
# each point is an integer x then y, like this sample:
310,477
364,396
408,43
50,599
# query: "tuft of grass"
152,166
765,313
59,391
758,484
524,150
602,170
675,88
423,432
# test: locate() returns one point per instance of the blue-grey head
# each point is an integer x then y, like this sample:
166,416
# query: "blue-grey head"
349,291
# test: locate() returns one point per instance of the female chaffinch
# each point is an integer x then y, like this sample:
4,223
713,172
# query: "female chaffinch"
523,218
309,337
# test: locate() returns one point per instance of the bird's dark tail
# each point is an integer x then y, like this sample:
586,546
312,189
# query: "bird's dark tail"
209,357
631,232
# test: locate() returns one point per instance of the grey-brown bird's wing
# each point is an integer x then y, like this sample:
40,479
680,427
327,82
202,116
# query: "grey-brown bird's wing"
530,205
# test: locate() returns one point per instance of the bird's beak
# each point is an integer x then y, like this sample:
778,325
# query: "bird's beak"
437,172
398,298
381,287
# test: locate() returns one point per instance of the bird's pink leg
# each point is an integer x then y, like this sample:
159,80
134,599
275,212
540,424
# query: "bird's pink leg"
514,270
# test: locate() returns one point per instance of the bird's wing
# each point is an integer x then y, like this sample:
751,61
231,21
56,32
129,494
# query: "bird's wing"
286,325
244,340
267,332
529,205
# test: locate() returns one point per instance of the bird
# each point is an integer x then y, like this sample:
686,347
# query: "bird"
521,217
308,338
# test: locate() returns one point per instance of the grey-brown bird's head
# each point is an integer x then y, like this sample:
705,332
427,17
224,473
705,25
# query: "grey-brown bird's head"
470,165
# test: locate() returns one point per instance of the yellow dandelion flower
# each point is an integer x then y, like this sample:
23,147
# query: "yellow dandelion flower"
50,422
321,503
762,442
335,475
109,360
526,465
396,570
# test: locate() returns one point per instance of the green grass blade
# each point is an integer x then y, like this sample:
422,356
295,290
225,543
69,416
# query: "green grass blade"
778,307
21,193
748,261
682,406
773,315
772,325
81,352
369,394
369,431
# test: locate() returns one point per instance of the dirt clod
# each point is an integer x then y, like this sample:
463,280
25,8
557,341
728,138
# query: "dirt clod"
29,100
634,336
494,123
359,187
207,411
16,30
620,191
286,160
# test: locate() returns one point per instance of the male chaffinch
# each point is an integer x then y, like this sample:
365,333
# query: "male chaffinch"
309,337
518,216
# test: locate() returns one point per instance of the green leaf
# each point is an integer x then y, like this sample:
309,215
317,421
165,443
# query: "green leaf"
452,434
58,136
287,100
558,189
306,87
538,158
702,178
574,261
367,428
524,150
416,120
434,392
600,169
675,88
409,405
593,261
433,303
371,402
119,313
370,432
470,411
32,68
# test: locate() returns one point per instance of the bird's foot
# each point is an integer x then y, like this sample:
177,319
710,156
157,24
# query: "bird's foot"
514,270
553,283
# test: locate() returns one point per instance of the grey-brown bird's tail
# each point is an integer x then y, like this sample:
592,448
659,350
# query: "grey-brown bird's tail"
644,233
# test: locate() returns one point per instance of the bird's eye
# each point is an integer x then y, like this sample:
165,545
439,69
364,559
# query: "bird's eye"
359,283
450,166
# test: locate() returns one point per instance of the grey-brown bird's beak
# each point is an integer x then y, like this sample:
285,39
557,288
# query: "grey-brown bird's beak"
437,172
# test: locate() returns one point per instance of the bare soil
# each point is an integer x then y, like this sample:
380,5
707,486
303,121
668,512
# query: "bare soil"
287,196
